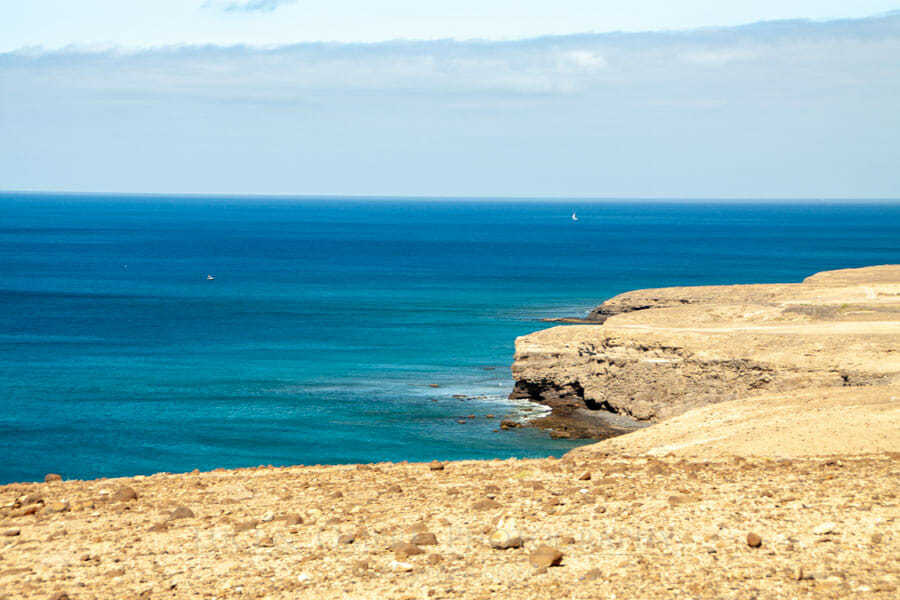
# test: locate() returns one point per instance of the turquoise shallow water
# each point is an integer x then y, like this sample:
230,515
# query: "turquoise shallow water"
329,318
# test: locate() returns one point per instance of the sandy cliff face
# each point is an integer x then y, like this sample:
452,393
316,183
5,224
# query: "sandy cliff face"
658,353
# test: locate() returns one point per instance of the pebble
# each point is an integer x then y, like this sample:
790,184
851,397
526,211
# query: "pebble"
57,507
545,556
32,499
397,565
800,575
182,512
12,532
486,504
825,529
347,538
245,526
586,476
159,527
124,494
505,537
425,538
753,540
592,575
436,466
267,517
403,550
266,542
50,477
60,596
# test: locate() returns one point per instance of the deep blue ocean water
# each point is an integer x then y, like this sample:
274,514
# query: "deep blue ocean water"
329,318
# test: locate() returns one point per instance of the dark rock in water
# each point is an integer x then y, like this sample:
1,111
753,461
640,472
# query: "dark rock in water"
51,477
434,385
509,424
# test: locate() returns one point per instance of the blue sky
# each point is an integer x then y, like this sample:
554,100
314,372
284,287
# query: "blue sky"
636,99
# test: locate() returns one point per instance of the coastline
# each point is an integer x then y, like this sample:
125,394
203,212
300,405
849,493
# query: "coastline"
648,355
778,493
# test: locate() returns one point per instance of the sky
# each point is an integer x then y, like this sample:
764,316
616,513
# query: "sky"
648,99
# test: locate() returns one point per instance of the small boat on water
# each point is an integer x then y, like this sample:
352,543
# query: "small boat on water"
210,277
574,216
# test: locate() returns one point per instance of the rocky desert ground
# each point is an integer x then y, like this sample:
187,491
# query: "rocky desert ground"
786,489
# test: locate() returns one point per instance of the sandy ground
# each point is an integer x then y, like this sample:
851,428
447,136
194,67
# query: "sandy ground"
638,527
819,422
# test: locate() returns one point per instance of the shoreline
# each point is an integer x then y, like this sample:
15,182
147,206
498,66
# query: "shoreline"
790,493
649,355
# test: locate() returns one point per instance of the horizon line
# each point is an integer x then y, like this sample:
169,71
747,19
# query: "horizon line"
469,198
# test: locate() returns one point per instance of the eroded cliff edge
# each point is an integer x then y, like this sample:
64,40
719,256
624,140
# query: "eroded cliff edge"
655,354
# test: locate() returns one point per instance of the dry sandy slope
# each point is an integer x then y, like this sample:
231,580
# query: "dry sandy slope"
638,528
825,421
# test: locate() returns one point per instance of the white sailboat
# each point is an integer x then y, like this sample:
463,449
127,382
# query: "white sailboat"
574,216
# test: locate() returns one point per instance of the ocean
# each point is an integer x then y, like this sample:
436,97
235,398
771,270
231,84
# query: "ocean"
330,321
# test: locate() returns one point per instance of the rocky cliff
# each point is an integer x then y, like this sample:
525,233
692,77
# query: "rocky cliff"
654,354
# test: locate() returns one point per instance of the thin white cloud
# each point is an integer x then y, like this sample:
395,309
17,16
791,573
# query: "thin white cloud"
792,102
248,5
809,54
